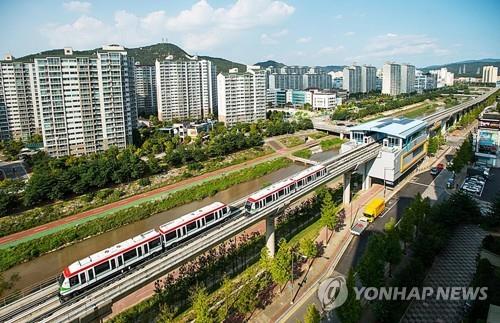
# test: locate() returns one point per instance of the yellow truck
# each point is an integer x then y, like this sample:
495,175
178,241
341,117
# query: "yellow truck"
374,208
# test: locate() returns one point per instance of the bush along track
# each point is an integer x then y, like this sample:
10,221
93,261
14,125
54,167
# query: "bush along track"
28,250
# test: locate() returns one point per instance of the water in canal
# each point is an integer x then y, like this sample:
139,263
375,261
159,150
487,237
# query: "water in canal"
52,264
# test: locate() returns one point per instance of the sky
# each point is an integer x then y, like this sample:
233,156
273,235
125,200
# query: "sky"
312,32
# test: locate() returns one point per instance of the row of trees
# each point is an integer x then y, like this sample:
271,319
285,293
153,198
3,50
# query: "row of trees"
435,142
371,106
464,156
423,228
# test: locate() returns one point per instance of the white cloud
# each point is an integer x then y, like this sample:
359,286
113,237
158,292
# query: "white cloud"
303,40
395,46
328,50
272,39
77,6
349,33
201,27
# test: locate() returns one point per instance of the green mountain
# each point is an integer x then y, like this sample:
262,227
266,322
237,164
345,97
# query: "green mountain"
469,68
146,55
270,63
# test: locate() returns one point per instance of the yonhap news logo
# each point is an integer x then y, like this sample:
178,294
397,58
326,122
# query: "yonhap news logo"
333,292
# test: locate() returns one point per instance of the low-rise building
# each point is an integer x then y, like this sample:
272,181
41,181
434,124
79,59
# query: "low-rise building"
404,143
276,97
299,98
324,101
488,137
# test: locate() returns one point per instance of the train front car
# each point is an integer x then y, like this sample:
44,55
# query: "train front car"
284,188
103,265
194,223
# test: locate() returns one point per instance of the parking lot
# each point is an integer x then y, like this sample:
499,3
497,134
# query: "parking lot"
492,187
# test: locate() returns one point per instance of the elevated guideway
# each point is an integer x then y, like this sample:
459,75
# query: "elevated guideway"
44,305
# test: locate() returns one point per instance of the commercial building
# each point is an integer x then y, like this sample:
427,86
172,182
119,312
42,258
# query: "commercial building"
352,79
490,74
19,116
241,96
86,103
444,78
488,137
145,89
298,98
407,78
276,97
186,88
404,143
425,81
368,78
324,100
391,83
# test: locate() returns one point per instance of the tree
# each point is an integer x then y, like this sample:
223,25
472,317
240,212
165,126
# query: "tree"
371,266
350,311
282,263
247,301
226,291
201,308
406,228
308,248
329,217
265,260
392,249
167,313
312,315
390,225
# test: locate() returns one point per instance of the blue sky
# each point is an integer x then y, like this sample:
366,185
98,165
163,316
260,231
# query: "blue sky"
314,32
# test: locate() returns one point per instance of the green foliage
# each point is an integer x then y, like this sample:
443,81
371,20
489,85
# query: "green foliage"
11,148
390,225
464,156
144,181
31,249
329,144
350,311
10,191
308,248
304,153
201,308
435,142
282,263
371,266
329,217
312,315
486,276
290,142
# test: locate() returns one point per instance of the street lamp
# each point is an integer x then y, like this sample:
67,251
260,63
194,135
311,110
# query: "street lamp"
291,295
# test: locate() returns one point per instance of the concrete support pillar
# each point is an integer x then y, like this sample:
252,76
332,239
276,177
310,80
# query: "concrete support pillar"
367,181
347,188
443,127
341,135
270,243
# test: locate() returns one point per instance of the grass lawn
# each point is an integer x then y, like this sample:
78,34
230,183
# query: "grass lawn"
290,142
304,153
426,109
331,143
318,135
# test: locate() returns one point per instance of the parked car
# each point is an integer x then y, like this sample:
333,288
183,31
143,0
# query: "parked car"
434,171
360,226
440,166
451,182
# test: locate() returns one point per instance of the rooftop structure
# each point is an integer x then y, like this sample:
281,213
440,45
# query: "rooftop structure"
397,127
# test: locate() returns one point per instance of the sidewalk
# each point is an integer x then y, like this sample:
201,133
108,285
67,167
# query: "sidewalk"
305,284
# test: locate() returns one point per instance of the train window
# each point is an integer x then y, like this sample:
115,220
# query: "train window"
139,251
191,226
156,242
292,187
83,279
318,174
99,269
113,264
281,193
309,178
170,236
120,261
209,218
269,199
300,183
73,281
91,274
146,249
129,255
225,210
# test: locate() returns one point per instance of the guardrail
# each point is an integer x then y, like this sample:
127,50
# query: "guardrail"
102,295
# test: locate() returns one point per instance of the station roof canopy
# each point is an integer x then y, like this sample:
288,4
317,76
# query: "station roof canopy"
395,127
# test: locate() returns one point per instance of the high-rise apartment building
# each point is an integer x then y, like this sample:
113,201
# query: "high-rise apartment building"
297,78
86,102
425,81
352,79
145,89
407,78
490,74
444,78
368,78
242,96
18,101
391,82
186,88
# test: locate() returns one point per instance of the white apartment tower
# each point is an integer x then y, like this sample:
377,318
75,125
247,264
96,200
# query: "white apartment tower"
186,88
490,74
444,78
18,101
242,96
391,82
407,78
145,89
352,79
87,103
368,78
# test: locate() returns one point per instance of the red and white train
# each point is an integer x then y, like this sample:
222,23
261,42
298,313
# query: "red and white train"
280,190
101,266
94,269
